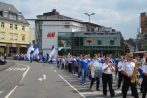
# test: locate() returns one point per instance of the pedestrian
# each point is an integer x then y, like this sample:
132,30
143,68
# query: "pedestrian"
127,71
107,77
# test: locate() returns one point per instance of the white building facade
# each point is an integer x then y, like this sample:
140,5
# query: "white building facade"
49,27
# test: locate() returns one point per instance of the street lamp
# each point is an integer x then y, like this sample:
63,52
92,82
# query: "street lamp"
89,41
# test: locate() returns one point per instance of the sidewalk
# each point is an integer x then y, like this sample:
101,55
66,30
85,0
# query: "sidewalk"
7,65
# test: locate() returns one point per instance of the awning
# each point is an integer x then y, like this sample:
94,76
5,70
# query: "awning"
3,45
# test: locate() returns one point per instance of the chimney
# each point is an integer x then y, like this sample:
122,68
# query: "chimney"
54,11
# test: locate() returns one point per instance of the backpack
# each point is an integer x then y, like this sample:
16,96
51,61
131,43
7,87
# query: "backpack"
98,69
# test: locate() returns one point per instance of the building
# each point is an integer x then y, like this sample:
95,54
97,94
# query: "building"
129,48
53,28
132,43
32,36
14,30
143,22
142,32
104,42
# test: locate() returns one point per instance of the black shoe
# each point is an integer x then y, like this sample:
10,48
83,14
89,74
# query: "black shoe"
112,95
98,89
105,94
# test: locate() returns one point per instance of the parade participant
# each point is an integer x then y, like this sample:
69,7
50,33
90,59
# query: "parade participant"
62,62
66,63
93,65
107,77
84,65
142,63
79,66
145,79
127,70
140,74
120,64
31,57
69,64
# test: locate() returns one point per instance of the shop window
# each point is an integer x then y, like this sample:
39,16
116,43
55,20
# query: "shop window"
23,28
23,38
99,42
16,27
11,26
111,42
2,36
2,24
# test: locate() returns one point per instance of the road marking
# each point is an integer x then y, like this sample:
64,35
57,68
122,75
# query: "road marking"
23,76
52,67
1,92
16,69
72,86
41,79
54,70
10,92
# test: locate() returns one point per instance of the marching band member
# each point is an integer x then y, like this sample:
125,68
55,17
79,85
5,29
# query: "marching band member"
84,64
145,79
127,71
79,66
142,63
120,64
93,74
107,77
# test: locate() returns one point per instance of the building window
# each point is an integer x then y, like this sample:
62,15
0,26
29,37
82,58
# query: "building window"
2,24
23,37
111,42
99,42
15,37
2,35
67,26
16,27
23,27
11,26
11,36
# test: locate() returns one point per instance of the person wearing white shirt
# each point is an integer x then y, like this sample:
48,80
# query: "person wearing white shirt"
92,64
127,71
120,64
142,63
107,77
145,79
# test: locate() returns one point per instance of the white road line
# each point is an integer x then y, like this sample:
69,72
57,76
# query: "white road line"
18,68
10,92
52,67
22,69
24,74
44,76
54,70
72,86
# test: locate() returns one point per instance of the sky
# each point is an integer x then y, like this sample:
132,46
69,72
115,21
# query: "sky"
122,15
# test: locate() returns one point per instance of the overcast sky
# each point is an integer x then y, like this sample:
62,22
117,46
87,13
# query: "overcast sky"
122,15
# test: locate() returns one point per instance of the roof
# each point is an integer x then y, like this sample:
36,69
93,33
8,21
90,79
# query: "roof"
11,9
129,45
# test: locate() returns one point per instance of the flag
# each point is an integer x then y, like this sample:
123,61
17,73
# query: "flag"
36,50
68,54
29,51
47,56
62,47
53,51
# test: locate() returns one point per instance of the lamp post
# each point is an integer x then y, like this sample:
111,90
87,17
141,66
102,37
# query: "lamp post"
89,40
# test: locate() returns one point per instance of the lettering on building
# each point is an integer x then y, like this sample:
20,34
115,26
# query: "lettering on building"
50,34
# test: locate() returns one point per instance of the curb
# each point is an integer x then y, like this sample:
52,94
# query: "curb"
7,66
